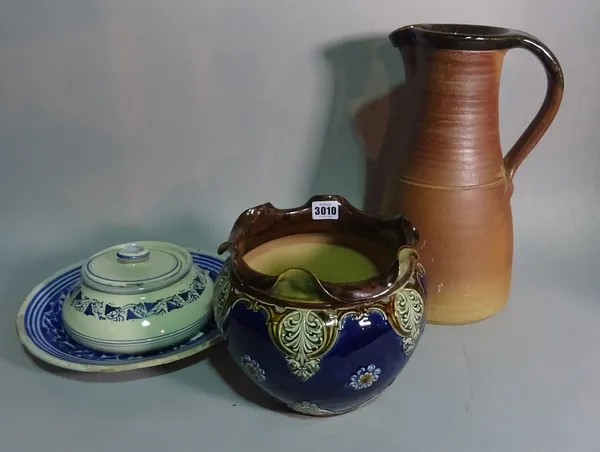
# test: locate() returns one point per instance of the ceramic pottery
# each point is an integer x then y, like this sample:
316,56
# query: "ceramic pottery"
453,181
321,305
138,297
41,330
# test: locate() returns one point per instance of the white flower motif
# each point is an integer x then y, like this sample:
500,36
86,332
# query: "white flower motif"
252,369
365,377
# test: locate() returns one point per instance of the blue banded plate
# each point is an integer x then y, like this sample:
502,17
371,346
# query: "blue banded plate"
41,331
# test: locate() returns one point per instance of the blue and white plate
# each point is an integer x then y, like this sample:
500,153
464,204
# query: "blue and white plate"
40,328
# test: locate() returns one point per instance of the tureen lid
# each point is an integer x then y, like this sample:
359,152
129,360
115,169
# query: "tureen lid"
136,267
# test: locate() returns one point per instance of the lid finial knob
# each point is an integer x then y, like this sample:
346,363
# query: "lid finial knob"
133,253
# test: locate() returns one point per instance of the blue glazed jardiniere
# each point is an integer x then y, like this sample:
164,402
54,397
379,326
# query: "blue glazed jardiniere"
322,305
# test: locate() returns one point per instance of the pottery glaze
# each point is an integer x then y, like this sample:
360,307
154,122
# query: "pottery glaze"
321,314
42,333
137,298
454,182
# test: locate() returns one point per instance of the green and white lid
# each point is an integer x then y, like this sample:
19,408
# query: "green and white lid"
137,267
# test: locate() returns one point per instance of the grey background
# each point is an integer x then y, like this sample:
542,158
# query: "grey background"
122,120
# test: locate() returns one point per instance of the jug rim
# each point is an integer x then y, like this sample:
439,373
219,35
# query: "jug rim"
456,36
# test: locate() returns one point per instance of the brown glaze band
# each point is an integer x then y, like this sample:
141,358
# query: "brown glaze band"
264,223
464,37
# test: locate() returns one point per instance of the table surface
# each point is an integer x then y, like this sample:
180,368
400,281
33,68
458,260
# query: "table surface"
525,380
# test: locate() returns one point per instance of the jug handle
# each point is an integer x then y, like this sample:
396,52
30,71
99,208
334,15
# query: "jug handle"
545,115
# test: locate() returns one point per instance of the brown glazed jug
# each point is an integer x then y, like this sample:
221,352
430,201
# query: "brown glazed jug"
454,182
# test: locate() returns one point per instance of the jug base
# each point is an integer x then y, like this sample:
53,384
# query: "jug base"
460,322
447,316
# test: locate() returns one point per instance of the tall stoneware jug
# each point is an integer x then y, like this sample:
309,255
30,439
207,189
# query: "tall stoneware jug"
454,182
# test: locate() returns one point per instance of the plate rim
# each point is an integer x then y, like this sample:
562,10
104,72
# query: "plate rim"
46,357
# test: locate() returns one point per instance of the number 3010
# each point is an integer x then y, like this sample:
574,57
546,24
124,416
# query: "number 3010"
325,210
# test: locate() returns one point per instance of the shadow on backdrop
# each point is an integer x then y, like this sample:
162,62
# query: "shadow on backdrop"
370,117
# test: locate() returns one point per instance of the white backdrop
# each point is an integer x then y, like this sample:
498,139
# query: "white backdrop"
125,120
